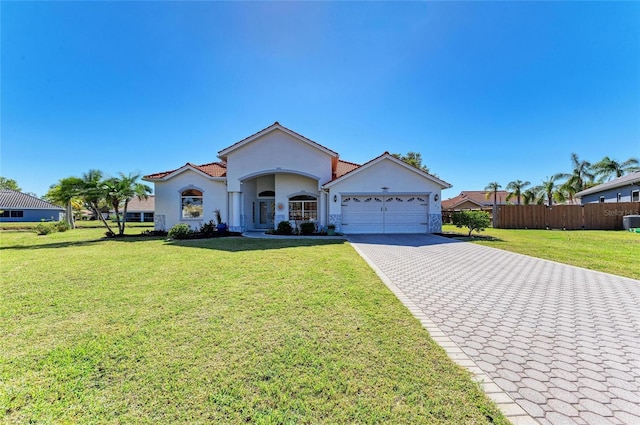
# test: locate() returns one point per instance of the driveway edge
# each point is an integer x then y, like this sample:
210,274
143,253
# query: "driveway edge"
505,403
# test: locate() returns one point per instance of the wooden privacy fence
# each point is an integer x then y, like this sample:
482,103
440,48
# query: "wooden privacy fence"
605,216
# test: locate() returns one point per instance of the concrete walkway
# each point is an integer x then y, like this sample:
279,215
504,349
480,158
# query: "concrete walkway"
551,343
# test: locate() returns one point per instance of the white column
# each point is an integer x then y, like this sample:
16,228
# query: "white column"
322,209
235,224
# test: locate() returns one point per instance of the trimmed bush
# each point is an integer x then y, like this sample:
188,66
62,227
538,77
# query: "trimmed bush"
62,226
473,220
284,228
180,231
45,228
307,228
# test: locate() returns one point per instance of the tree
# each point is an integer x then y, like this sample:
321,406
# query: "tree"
580,178
515,189
93,195
119,191
414,159
9,184
492,188
608,168
472,219
65,192
548,189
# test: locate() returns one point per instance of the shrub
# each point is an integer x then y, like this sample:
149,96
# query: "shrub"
307,228
180,231
473,220
45,228
284,228
208,228
62,226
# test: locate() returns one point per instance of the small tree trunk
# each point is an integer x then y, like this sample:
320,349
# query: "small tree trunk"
69,215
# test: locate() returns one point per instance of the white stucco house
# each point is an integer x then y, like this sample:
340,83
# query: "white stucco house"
277,174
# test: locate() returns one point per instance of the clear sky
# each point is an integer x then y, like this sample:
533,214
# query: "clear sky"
486,91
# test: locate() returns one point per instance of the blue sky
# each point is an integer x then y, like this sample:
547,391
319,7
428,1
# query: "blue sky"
486,91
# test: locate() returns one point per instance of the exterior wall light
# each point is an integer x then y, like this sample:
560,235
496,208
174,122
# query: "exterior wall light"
335,198
436,197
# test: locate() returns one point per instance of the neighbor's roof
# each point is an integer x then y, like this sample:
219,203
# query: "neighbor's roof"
10,199
142,205
628,180
212,169
475,196
275,126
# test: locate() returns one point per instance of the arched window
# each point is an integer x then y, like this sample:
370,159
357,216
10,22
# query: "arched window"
191,202
267,193
303,207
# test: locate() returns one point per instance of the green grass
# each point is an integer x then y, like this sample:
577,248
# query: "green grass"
608,251
80,224
232,330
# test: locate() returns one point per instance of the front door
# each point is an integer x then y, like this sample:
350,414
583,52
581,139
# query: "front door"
266,210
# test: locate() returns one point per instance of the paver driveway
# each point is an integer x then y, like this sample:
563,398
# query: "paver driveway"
563,342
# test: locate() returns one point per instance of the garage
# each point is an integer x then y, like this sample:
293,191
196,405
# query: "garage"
384,213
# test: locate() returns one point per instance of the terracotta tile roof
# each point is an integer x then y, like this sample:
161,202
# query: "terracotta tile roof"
477,196
10,199
143,205
213,169
345,167
277,124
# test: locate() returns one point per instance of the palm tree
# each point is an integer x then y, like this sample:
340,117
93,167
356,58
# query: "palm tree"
608,168
548,189
492,188
580,178
65,192
93,194
515,187
530,196
119,191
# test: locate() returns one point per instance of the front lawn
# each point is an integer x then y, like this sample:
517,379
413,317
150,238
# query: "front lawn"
611,251
141,330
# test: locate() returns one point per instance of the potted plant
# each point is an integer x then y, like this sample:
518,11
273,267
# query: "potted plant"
331,230
220,227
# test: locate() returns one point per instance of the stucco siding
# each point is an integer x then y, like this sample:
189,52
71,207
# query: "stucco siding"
168,200
273,151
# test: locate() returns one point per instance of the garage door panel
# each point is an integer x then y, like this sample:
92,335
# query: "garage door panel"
393,214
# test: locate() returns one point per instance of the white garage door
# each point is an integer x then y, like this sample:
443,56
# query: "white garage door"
384,214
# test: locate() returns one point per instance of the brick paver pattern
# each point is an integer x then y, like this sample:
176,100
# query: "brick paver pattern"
562,341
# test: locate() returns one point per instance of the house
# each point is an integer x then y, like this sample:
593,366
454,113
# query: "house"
474,200
622,189
279,175
141,209
18,206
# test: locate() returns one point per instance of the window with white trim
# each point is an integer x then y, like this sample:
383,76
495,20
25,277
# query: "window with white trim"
191,203
602,199
635,196
303,207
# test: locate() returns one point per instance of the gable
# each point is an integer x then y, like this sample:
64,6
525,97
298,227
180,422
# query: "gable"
277,151
386,172
273,128
394,168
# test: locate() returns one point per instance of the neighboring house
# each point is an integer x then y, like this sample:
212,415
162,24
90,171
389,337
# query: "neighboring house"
279,175
474,200
141,209
18,206
622,189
